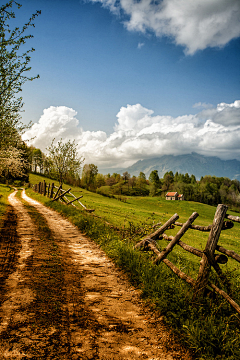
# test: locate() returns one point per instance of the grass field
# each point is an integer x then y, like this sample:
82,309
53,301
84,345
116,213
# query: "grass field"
140,212
211,328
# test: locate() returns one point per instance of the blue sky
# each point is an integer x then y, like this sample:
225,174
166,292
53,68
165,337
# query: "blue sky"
114,74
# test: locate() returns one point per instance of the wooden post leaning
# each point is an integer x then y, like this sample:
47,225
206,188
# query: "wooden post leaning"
61,195
176,238
59,188
70,202
221,259
205,266
51,191
158,232
44,187
177,271
48,189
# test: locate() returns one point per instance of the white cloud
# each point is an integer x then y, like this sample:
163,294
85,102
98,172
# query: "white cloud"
56,122
139,134
202,105
194,24
224,114
140,45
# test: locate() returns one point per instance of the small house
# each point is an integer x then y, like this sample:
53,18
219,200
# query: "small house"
174,196
181,197
171,196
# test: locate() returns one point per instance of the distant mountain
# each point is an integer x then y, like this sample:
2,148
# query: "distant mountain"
194,163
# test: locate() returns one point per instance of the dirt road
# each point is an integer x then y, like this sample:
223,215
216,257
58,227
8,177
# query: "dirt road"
63,298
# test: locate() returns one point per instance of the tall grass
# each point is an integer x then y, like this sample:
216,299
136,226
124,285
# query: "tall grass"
210,328
5,191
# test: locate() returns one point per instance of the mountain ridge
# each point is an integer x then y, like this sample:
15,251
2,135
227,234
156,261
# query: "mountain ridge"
194,163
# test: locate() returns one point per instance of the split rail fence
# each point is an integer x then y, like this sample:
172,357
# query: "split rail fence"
208,257
57,193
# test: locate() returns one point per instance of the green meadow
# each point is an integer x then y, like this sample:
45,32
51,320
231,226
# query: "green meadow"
209,327
132,213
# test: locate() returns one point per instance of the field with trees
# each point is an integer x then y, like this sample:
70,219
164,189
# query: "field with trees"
209,190
117,225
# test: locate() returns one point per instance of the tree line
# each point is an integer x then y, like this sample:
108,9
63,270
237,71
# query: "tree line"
209,190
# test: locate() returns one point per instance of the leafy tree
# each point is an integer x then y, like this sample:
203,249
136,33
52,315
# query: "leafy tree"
13,68
37,159
100,180
168,179
110,180
141,181
187,179
64,160
13,165
117,177
132,181
154,182
126,177
89,173
193,179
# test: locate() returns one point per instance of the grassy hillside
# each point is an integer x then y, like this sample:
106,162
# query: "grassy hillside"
211,328
140,212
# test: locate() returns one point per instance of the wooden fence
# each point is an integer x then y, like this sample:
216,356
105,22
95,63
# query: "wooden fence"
202,286
57,193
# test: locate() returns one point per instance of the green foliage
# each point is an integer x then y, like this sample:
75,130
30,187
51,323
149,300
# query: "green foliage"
154,183
13,69
209,190
64,160
89,175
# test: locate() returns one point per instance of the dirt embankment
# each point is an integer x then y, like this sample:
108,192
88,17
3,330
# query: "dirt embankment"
63,298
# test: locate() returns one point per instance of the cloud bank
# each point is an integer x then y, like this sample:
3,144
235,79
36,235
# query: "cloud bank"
139,134
194,24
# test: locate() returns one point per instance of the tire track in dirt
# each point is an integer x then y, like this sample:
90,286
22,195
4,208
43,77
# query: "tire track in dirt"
32,326
106,318
9,247
13,271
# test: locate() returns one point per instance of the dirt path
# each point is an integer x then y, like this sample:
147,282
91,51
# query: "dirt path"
90,311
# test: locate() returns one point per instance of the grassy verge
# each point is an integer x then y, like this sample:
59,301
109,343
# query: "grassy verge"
5,190
211,328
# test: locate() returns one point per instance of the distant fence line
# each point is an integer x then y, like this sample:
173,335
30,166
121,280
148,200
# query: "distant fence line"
57,193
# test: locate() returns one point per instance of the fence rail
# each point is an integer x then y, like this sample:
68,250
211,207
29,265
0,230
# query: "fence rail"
57,193
208,257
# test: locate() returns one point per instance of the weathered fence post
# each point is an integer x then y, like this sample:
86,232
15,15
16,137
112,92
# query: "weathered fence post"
51,191
44,187
210,248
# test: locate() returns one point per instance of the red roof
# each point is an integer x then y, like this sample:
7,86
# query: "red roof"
171,194
181,195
